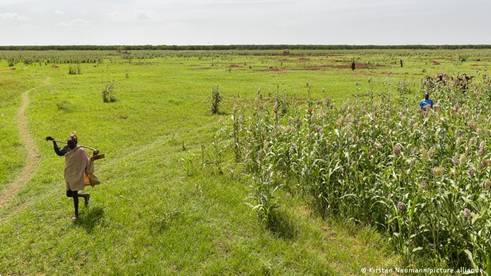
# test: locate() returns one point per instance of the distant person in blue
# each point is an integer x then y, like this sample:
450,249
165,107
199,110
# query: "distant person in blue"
426,103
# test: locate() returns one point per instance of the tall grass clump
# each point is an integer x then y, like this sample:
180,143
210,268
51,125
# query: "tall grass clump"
423,178
216,98
74,70
11,62
107,94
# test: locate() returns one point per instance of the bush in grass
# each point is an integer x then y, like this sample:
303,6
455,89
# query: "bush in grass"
74,70
216,98
107,94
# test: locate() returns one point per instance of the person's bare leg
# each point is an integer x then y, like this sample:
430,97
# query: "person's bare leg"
86,197
75,205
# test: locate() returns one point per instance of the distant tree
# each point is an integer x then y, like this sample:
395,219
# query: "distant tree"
121,48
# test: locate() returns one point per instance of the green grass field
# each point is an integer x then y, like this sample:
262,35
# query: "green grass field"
156,214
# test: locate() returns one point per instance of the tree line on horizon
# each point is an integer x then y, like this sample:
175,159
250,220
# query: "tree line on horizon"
236,47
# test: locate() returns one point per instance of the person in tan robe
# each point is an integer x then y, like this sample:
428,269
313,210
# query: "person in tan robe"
77,167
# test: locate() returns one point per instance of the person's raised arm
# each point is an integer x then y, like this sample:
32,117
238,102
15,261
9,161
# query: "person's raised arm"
58,151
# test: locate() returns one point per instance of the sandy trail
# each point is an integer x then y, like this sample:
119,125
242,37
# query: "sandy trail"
33,157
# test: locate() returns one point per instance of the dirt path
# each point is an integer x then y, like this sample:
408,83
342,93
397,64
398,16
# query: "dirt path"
32,158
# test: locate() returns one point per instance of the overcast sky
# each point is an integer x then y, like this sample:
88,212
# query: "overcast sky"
41,22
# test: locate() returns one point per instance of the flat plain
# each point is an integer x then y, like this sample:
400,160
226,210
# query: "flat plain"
159,208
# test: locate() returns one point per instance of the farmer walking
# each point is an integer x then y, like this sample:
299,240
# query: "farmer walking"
77,166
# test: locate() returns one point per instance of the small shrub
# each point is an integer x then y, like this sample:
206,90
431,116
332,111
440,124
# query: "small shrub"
462,58
107,94
216,98
74,70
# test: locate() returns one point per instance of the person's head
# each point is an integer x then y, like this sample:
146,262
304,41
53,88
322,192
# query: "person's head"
427,96
72,141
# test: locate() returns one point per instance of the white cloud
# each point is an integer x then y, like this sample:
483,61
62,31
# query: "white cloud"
244,21
77,22
13,16
115,14
143,16
129,16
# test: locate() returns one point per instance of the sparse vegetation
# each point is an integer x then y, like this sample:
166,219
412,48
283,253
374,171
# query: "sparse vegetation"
216,98
74,70
107,94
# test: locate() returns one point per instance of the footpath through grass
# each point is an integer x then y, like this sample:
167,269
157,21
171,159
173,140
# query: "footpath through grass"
12,153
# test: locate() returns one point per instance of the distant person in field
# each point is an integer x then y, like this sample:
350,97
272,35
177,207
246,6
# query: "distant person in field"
77,164
426,103
353,66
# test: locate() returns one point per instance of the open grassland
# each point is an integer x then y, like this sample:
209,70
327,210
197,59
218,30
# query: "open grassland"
12,151
172,198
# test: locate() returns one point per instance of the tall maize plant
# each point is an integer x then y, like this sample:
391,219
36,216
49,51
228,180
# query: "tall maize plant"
423,178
